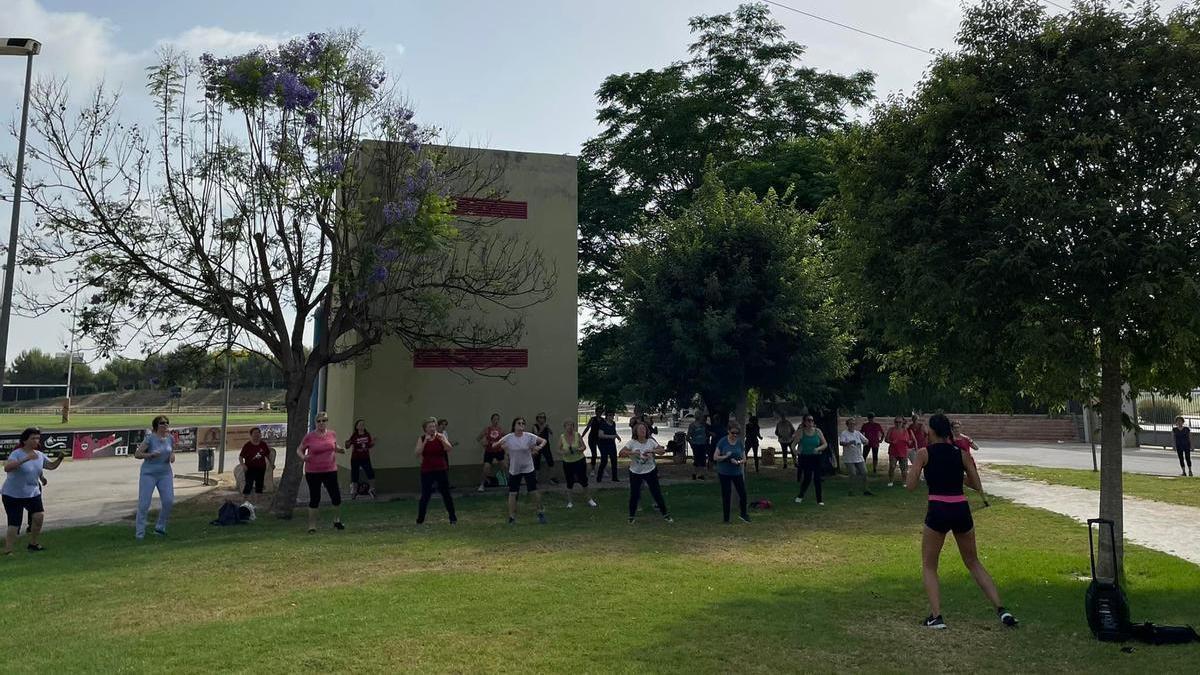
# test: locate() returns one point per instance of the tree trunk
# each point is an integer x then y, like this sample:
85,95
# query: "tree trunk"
296,401
740,412
1111,494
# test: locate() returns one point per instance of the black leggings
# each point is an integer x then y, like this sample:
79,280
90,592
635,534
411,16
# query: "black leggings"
329,479
738,482
592,447
808,469
607,455
1184,455
699,456
635,491
440,480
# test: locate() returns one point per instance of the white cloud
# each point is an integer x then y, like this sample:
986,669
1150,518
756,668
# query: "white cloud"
219,41
73,43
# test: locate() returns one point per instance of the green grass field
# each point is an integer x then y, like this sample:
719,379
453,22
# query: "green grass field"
802,588
1171,489
18,422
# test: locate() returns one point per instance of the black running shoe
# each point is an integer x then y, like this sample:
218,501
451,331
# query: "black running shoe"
1007,618
337,525
935,622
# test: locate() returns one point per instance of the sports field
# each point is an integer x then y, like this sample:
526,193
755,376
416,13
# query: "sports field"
802,588
17,422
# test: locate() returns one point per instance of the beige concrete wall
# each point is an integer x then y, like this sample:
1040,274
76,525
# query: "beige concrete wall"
394,396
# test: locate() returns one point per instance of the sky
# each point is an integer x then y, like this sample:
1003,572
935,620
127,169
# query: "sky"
517,75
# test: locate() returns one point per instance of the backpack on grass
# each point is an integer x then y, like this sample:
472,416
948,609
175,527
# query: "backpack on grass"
227,515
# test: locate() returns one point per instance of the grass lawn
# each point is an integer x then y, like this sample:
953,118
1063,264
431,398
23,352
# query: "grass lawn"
1172,489
11,423
802,588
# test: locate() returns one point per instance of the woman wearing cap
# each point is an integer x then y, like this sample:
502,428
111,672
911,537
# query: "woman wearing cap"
945,466
318,450
22,490
157,452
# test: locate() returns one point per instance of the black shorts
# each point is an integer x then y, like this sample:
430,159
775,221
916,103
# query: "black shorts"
514,482
365,465
254,479
943,517
575,472
490,457
15,508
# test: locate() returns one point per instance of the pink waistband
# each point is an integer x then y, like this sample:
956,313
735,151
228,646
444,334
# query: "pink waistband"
948,499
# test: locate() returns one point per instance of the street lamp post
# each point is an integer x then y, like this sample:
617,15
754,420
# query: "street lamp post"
66,413
27,47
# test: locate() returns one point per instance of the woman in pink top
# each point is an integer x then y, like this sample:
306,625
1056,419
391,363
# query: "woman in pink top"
320,469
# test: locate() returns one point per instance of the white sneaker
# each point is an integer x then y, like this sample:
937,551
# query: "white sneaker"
481,488
891,484
592,503
570,505
799,500
820,503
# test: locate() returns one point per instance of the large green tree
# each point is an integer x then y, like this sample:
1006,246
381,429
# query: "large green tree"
736,294
1026,221
744,98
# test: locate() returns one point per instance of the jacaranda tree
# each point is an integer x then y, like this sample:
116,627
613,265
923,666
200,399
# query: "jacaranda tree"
255,205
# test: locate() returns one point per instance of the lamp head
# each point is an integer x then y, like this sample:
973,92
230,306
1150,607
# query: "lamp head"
19,47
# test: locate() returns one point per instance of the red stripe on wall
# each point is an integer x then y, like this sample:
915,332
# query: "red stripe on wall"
490,208
479,359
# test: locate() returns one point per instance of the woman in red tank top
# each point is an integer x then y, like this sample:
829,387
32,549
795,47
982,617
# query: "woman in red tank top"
434,451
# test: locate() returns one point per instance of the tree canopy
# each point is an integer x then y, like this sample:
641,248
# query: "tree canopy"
743,98
1025,222
735,293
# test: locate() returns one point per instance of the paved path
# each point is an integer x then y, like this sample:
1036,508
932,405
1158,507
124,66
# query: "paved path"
1163,527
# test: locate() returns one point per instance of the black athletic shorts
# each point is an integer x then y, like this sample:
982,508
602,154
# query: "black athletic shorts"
575,472
15,508
943,517
514,481
490,457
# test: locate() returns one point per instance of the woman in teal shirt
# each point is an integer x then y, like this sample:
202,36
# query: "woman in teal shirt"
730,457
808,466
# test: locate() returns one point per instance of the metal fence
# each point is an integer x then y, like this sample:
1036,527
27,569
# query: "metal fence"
1156,410
137,410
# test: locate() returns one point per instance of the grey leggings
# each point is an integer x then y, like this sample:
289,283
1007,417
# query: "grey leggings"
857,470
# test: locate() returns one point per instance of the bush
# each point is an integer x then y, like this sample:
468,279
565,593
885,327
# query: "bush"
1158,410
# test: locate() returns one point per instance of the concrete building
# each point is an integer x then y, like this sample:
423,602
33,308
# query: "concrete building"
395,389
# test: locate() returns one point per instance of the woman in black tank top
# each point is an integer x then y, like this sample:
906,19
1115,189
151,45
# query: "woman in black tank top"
947,467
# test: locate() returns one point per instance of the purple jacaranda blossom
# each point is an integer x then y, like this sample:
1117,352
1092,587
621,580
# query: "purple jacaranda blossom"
396,213
360,296
379,275
311,118
335,165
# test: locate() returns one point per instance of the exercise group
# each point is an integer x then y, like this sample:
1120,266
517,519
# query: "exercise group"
934,451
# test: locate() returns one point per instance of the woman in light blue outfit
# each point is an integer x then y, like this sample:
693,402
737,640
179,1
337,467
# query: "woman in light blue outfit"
157,452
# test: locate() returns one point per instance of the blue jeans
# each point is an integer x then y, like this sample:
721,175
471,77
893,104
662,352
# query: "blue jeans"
165,484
